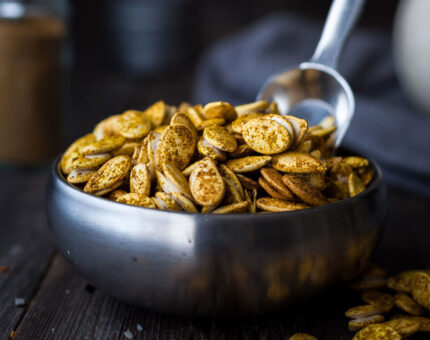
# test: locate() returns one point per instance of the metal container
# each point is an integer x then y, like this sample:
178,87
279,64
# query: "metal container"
202,264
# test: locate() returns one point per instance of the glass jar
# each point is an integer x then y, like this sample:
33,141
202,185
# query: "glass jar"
31,40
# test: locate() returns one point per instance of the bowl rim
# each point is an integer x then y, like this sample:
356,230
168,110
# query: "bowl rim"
376,183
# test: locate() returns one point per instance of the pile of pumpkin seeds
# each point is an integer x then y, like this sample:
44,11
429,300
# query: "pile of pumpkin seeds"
395,308
216,158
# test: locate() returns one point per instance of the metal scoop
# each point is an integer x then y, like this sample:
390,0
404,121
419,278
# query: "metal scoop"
314,89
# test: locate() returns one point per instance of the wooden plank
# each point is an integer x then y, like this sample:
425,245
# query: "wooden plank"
65,308
405,244
25,246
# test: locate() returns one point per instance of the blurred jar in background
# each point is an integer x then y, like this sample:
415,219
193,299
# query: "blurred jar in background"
135,37
149,37
31,37
412,50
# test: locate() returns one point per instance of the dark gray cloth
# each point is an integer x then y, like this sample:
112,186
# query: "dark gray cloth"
386,127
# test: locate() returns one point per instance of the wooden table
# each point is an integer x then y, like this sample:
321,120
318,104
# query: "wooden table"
59,304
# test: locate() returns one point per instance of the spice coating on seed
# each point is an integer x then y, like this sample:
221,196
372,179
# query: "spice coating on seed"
298,163
166,146
304,190
407,304
421,289
111,173
206,183
140,180
377,332
404,326
220,110
248,164
266,136
220,138
156,113
176,146
137,200
277,205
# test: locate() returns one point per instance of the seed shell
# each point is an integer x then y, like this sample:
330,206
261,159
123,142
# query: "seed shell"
73,150
240,207
377,332
211,151
220,138
248,164
209,122
128,149
107,144
184,202
304,190
266,136
300,127
110,174
107,127
189,169
356,162
276,205
357,324
258,106
247,182
181,118
274,178
232,180
374,297
133,125
421,289
242,151
138,200
355,185
298,163
220,110
402,282
114,195
406,304
425,322
90,162
176,146
80,176
206,183
140,180
364,311
156,113
237,124
177,178
404,326
263,183
164,201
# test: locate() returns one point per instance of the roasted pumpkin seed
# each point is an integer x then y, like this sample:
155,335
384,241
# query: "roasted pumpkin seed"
206,183
110,174
377,332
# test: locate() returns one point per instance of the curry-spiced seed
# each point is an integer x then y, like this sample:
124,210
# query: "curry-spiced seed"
216,158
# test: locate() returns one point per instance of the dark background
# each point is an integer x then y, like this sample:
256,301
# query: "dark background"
130,53
110,72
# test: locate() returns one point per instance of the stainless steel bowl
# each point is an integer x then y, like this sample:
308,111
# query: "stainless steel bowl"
199,264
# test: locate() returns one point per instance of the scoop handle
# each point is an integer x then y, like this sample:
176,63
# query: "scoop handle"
341,19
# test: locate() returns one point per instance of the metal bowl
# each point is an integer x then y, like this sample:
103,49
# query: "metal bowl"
201,264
